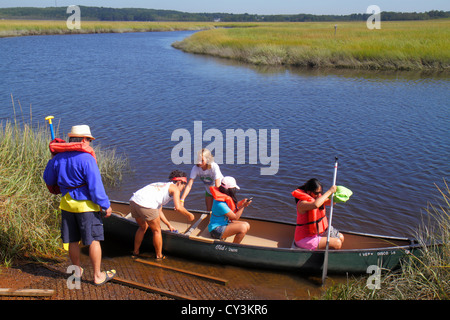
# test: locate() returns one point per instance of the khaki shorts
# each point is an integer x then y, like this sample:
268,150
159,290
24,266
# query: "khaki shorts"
142,213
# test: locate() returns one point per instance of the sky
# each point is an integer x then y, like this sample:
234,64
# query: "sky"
339,7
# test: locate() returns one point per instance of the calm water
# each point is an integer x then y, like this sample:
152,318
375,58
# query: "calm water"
389,130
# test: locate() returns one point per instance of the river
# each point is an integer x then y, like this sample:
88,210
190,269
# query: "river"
390,130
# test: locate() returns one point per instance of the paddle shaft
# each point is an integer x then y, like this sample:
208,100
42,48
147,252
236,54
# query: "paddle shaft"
325,260
49,119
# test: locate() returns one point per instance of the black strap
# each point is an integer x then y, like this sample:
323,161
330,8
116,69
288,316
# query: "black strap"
81,185
304,224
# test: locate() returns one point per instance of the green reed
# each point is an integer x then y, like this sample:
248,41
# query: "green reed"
13,28
406,45
422,277
29,214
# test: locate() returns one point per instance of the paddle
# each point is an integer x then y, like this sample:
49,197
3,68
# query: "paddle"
49,118
325,260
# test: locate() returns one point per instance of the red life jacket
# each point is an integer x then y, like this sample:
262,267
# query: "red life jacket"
59,145
316,220
219,196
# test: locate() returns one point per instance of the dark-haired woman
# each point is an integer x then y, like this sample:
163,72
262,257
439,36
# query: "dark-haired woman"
226,211
312,224
146,207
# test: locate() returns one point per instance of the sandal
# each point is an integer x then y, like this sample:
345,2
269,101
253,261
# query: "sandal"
162,258
135,255
109,275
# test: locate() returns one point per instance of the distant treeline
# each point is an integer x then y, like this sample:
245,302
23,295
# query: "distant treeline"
135,14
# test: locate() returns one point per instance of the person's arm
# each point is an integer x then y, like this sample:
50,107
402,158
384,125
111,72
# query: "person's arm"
164,219
304,206
186,191
175,193
95,185
50,176
217,174
192,176
236,215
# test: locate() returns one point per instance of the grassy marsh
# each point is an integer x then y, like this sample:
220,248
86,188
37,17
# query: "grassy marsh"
406,45
13,28
425,277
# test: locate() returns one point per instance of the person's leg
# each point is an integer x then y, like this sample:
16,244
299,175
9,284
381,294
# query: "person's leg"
71,235
91,230
209,202
95,254
155,226
341,237
74,253
139,236
336,239
237,228
335,243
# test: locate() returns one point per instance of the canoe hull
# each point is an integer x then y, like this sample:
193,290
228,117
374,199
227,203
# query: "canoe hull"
293,259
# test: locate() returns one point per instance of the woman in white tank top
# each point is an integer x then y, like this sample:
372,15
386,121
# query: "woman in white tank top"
153,196
146,207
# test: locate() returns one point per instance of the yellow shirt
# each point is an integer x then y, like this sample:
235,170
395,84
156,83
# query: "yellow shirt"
76,206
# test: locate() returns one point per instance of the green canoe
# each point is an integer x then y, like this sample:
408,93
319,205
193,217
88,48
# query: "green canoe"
267,245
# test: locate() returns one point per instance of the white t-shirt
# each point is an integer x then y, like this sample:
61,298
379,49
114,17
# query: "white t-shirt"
208,176
152,196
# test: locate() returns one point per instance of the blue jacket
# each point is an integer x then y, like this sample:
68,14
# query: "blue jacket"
72,169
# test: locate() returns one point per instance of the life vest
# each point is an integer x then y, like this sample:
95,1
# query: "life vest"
316,221
59,145
219,196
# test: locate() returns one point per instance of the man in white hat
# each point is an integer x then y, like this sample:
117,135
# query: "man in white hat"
74,170
81,131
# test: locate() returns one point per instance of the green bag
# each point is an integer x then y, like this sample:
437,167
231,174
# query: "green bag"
342,194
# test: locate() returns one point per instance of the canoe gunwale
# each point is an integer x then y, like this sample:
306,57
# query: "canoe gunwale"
413,244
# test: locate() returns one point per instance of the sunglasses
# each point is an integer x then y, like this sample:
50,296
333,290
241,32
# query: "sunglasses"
317,192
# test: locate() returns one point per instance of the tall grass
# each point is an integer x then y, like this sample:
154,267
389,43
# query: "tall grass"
412,45
12,28
29,214
424,277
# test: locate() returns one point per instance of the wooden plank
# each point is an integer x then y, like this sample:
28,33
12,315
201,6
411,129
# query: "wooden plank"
148,288
195,274
195,225
201,239
27,292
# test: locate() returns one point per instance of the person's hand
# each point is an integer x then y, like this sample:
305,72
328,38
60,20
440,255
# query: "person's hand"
333,189
108,212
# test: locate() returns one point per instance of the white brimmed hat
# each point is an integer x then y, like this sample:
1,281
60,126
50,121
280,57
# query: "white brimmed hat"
81,131
229,182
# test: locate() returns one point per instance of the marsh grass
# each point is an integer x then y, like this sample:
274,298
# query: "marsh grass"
29,214
13,28
412,45
422,277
